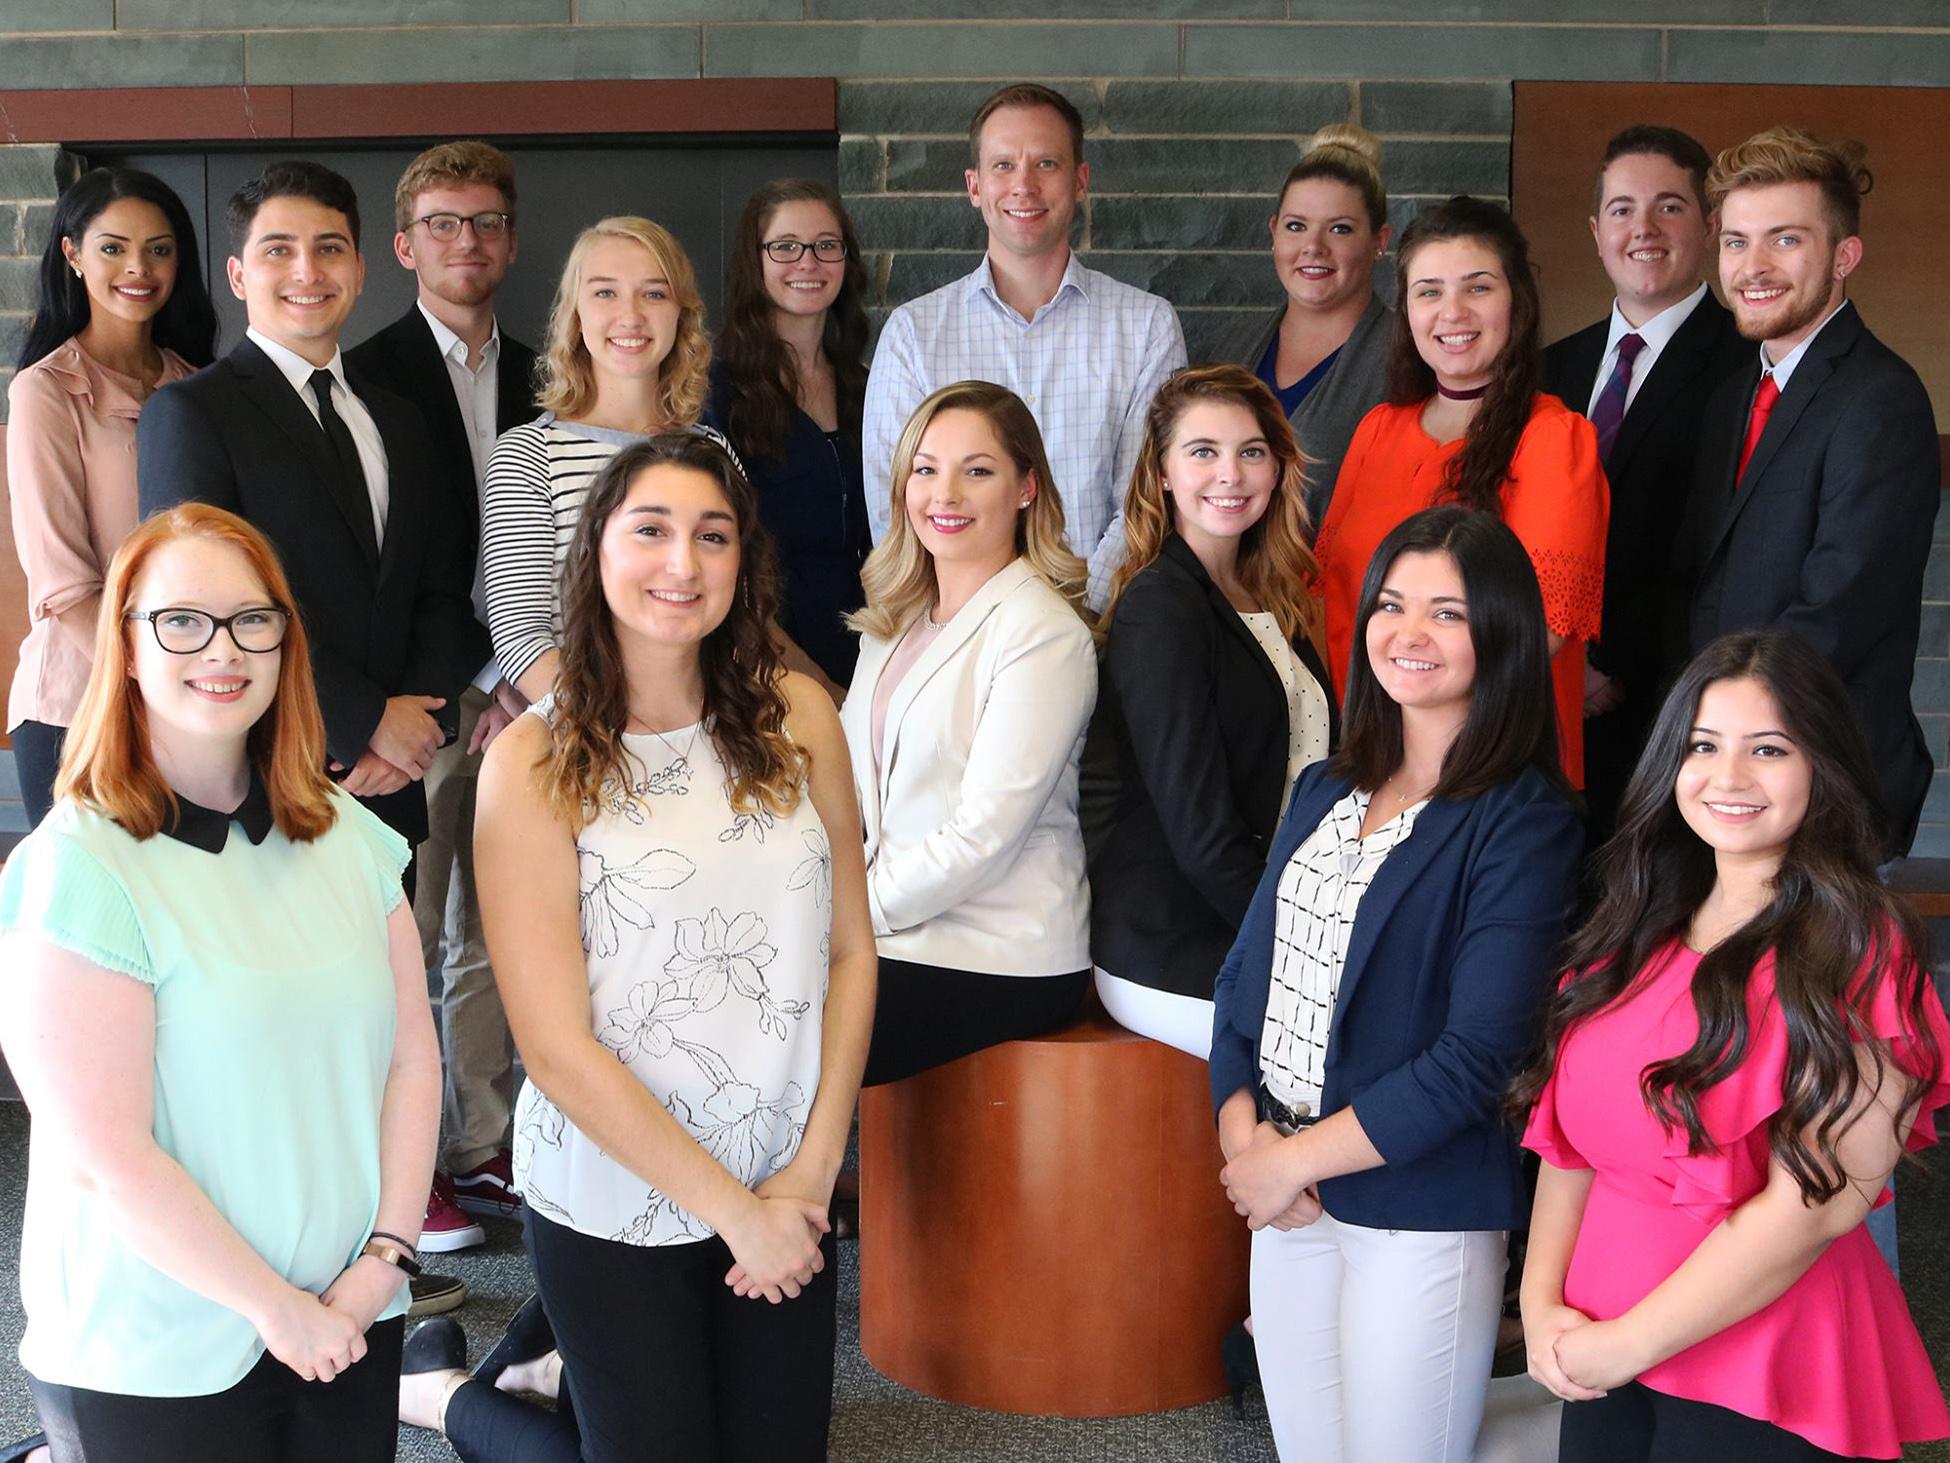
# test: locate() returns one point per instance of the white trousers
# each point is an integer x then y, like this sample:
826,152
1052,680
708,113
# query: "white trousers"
1375,1345
1181,1021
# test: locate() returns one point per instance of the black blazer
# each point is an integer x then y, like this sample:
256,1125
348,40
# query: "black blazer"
1829,533
236,435
1197,718
405,359
1651,475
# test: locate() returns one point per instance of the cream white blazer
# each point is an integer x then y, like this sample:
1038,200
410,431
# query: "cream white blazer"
974,853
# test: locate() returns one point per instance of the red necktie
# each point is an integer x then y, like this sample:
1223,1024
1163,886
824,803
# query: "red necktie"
1764,400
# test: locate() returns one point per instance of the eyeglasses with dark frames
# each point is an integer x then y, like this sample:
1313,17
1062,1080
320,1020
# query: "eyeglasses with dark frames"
787,251
183,631
446,226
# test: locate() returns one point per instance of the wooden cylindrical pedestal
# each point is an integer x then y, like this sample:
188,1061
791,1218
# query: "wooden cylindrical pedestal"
1043,1230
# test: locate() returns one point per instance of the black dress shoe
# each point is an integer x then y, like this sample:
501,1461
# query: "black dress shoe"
438,1345
528,1336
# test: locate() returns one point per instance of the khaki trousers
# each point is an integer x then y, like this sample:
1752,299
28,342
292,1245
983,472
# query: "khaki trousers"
474,1036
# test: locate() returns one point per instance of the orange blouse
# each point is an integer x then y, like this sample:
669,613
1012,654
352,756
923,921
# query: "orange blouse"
1556,501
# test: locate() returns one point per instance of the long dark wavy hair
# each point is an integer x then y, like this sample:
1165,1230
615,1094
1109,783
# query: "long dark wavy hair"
187,322
744,704
1475,475
1834,930
1512,721
764,375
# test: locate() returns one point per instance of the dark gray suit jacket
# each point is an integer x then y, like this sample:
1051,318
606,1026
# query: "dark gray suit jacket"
1828,533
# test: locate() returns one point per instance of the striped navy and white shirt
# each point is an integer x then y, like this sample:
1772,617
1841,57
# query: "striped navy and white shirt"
1087,365
537,478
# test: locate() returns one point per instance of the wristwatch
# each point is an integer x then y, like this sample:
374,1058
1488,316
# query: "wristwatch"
392,1254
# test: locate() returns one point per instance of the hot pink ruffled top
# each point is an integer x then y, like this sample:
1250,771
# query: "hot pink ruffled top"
1836,1358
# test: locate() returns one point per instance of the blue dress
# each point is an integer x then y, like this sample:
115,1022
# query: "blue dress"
814,503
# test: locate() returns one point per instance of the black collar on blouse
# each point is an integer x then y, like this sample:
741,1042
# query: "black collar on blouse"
209,830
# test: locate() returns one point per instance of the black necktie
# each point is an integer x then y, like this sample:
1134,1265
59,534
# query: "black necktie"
352,474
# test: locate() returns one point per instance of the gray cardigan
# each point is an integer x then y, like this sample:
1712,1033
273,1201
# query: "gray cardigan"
1325,421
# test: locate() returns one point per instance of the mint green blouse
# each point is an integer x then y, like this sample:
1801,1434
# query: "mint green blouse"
274,1035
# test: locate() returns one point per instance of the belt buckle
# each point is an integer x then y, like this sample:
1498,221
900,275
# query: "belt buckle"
1280,1115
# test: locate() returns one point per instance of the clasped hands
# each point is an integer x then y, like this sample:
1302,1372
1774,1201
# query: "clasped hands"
1268,1181
775,1242
321,1336
401,749
1577,1358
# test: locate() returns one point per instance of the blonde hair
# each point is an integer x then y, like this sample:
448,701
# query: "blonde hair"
1345,153
1276,567
568,379
107,763
898,576
448,164
1789,155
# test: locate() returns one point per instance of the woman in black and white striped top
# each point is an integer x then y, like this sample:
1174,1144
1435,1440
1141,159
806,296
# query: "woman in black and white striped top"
627,358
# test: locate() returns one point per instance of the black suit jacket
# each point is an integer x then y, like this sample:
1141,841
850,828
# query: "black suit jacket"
237,436
1651,474
1198,720
1829,532
405,359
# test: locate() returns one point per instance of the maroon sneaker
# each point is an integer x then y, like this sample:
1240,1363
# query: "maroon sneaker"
489,1189
446,1228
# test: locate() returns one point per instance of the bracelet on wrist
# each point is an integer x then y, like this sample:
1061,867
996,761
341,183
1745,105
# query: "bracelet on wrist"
391,1254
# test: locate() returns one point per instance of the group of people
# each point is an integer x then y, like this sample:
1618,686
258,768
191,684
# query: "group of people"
744,724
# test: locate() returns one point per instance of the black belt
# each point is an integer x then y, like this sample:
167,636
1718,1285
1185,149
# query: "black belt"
1279,1114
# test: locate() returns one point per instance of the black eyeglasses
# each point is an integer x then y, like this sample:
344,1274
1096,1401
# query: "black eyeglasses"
787,251
185,632
446,226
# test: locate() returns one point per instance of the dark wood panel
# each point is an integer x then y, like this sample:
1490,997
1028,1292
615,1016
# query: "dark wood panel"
547,108
1561,131
150,114
457,109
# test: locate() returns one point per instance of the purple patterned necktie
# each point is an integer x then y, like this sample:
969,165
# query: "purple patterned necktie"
1609,412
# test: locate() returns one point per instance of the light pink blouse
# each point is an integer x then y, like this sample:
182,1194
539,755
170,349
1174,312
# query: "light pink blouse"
71,479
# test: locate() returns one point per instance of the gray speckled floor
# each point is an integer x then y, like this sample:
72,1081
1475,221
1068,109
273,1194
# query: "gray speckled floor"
877,1421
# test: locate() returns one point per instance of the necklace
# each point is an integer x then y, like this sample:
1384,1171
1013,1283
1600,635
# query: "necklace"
680,761
1402,799
1473,394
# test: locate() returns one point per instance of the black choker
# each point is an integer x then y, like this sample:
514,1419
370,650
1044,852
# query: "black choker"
1475,394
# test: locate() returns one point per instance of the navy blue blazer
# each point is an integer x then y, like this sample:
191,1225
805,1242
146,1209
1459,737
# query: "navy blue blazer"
1446,976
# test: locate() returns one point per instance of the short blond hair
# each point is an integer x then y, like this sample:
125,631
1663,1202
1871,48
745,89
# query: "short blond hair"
448,164
898,576
1789,155
568,384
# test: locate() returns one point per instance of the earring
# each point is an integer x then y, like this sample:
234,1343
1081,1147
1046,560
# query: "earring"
77,271
1024,503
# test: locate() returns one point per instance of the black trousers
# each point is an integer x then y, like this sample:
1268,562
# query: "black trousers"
1634,1424
927,1015
271,1416
660,1359
37,757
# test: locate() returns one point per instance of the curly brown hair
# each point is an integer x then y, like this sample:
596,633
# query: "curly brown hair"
744,701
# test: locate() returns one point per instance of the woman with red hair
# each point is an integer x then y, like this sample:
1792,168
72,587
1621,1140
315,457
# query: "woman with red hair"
216,1009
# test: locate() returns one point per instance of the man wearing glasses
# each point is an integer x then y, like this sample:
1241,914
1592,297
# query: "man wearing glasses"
455,211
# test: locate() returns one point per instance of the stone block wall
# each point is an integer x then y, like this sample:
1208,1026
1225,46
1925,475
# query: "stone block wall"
1195,108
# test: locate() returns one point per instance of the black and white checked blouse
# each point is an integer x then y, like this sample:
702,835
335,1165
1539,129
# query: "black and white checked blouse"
1319,894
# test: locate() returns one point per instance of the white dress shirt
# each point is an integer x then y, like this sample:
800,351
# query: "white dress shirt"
1657,333
352,411
477,394
1785,369
1087,365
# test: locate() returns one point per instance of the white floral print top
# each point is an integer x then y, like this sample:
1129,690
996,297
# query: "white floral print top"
706,933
